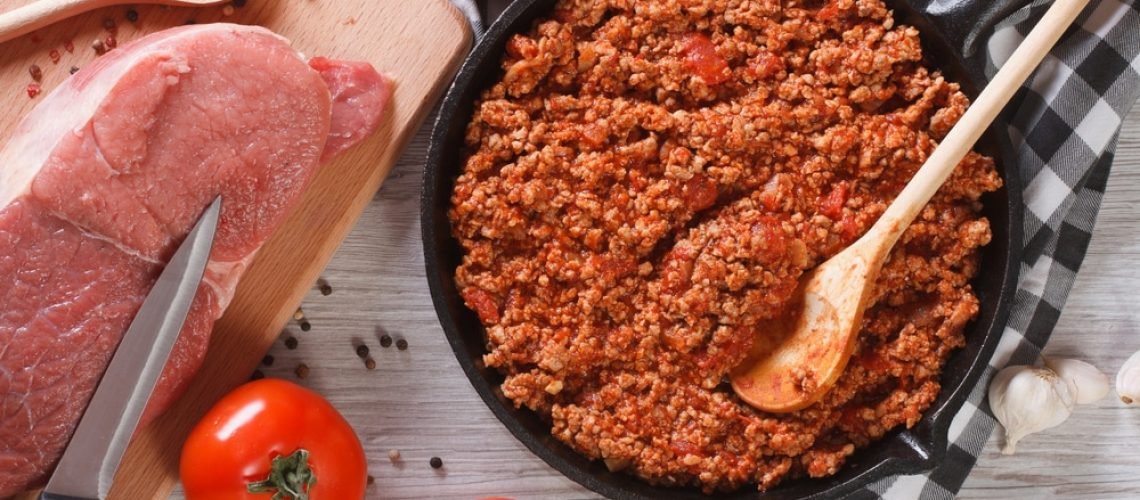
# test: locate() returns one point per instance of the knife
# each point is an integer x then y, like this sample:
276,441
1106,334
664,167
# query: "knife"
89,462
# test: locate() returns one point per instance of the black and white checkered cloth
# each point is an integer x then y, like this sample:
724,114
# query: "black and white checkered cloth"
1064,129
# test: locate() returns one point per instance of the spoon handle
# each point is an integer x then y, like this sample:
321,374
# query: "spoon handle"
974,122
35,15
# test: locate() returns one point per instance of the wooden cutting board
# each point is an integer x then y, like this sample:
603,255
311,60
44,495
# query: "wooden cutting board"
418,43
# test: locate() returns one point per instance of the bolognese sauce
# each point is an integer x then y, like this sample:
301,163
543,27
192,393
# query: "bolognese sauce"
647,183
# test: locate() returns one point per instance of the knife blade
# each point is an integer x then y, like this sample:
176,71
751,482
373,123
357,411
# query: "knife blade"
91,458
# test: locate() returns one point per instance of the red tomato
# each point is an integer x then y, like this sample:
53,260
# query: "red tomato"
273,425
703,59
832,205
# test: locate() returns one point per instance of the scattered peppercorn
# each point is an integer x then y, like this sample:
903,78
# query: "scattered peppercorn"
402,344
238,3
302,370
73,70
33,90
436,462
291,343
299,315
326,290
54,55
133,15
385,340
69,46
362,351
306,326
100,49
371,479
257,375
267,360
393,454
370,363
36,72
109,24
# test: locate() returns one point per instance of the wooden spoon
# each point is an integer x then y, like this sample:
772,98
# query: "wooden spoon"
41,13
797,359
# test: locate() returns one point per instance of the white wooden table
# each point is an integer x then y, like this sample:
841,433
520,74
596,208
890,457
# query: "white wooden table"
418,402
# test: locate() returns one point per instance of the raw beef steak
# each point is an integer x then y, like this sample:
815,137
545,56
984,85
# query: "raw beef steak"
103,180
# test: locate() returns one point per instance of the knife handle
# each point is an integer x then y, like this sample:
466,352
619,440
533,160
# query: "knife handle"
54,496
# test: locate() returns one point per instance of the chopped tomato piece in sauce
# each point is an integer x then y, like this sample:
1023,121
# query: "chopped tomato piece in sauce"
701,56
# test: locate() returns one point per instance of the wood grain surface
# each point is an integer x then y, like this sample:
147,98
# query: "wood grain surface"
417,401
417,43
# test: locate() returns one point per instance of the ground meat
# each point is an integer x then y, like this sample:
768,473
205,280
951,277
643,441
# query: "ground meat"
646,185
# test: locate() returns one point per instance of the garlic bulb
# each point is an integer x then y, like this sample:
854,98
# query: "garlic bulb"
1026,399
1128,380
1087,383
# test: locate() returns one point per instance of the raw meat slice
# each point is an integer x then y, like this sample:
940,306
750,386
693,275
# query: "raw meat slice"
105,177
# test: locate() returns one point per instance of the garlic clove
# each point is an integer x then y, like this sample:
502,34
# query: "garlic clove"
1128,380
1087,382
1026,399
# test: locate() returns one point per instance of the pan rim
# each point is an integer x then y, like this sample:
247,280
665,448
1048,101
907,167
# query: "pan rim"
911,456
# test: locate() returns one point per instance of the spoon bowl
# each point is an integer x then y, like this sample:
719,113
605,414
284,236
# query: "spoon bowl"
796,356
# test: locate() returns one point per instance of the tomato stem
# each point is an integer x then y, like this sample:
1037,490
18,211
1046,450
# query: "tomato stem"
290,477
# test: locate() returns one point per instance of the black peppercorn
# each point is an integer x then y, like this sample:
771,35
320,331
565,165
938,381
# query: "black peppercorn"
267,360
257,375
436,462
362,351
402,344
73,70
291,343
306,326
385,340
132,15
326,289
